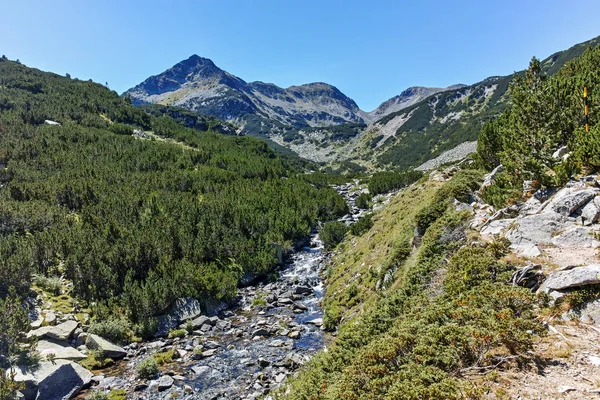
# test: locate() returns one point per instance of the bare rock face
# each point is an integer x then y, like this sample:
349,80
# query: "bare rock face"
59,332
568,204
95,342
58,350
590,214
57,380
571,278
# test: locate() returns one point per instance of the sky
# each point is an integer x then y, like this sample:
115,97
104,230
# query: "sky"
370,50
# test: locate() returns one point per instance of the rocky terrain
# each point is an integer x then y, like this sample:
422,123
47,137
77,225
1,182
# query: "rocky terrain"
242,351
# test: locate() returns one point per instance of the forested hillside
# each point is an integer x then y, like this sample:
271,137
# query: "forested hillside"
135,223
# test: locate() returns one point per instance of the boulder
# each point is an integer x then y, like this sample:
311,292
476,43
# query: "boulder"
50,318
57,380
591,212
59,332
95,342
165,382
59,350
534,229
576,236
182,309
570,278
560,152
199,321
36,318
201,369
490,178
261,332
568,204
223,325
303,290
316,321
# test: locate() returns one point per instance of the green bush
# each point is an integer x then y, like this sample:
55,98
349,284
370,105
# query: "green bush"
97,395
362,225
332,234
146,327
147,368
363,200
115,330
177,333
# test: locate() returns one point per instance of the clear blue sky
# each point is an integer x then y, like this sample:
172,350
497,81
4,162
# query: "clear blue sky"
371,50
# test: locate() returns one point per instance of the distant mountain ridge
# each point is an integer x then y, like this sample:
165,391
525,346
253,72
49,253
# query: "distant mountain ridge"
197,84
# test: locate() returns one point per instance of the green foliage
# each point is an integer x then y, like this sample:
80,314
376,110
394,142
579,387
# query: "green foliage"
147,368
363,200
13,321
137,221
115,330
8,386
362,225
146,327
177,333
545,113
97,395
164,357
384,182
587,147
460,188
96,359
52,284
333,233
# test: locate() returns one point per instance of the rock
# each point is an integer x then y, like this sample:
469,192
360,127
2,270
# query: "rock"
591,212
199,321
199,370
59,332
316,321
59,350
531,251
261,332
50,318
530,277
140,386
576,236
534,229
209,353
490,178
263,363
594,360
300,306
61,379
36,318
560,152
568,204
165,382
566,389
182,309
49,122
294,335
575,277
95,342
223,325
279,378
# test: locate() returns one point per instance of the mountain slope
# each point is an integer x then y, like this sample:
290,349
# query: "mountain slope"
407,138
198,84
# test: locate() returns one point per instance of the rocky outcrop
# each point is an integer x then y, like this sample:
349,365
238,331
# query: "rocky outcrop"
49,348
182,309
95,342
59,332
57,380
572,277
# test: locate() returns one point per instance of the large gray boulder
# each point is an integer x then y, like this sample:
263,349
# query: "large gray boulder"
535,229
58,380
59,332
95,342
576,236
182,309
490,178
58,350
591,212
570,203
570,278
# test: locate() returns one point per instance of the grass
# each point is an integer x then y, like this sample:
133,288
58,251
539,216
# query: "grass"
363,260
